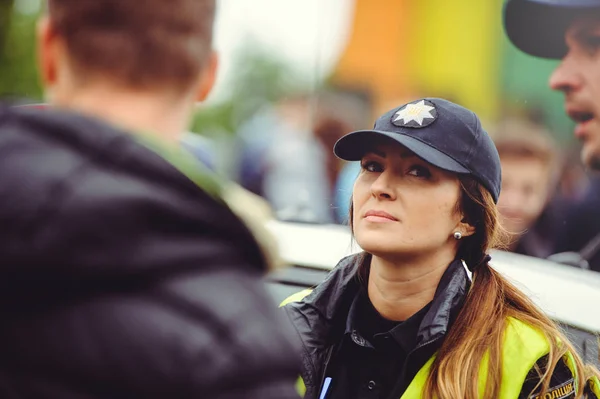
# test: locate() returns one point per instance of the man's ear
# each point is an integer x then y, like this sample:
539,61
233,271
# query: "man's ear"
46,51
208,77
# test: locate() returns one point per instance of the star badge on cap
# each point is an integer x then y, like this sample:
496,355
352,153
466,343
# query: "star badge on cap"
418,114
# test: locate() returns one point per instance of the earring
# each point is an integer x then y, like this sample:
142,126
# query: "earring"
457,235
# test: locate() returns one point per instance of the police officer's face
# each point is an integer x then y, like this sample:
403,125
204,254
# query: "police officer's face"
578,77
404,206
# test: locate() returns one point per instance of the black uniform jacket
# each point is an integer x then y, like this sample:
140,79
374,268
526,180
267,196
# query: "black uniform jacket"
320,320
121,278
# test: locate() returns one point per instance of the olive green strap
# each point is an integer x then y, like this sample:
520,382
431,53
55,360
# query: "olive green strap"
185,162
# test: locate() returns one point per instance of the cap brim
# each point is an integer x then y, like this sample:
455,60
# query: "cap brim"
353,146
538,27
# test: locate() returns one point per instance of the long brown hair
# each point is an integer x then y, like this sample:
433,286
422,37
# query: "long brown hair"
479,327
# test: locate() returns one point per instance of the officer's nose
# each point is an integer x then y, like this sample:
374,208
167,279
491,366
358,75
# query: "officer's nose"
382,187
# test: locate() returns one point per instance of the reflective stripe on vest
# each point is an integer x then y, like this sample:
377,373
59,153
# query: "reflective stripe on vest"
523,347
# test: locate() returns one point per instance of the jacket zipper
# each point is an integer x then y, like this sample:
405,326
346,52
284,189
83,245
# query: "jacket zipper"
425,344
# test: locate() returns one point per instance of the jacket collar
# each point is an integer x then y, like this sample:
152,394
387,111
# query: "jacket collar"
320,319
447,301
327,307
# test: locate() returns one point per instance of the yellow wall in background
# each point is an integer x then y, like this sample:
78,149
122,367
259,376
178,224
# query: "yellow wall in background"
447,48
375,57
457,51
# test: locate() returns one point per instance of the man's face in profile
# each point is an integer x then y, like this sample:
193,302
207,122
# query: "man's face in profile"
578,77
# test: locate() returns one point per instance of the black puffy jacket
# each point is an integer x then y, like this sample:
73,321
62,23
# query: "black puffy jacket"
121,278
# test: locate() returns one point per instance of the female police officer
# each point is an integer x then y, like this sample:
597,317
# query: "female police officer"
420,313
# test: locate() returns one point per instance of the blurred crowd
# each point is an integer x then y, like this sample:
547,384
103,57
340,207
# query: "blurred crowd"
283,154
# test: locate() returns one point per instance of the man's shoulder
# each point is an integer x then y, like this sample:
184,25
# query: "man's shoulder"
39,161
52,149
52,155
72,184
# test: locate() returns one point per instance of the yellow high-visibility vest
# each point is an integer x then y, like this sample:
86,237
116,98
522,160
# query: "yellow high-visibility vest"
523,347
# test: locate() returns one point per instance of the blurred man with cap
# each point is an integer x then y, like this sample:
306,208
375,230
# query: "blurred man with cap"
125,268
568,30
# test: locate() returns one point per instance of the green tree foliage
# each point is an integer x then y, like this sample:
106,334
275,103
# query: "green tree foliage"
18,70
525,89
6,7
260,78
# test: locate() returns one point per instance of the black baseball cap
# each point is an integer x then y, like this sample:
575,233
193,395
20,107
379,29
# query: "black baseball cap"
440,132
538,27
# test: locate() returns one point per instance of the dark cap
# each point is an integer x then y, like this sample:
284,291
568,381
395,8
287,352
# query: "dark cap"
440,132
538,27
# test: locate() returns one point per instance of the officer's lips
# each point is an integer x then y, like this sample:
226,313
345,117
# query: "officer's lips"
583,118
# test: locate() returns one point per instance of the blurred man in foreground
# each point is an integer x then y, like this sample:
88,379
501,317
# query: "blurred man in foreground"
123,273
529,167
567,30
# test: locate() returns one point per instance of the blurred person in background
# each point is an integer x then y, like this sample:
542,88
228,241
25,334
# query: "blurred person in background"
285,156
421,313
529,162
125,273
283,162
202,148
343,190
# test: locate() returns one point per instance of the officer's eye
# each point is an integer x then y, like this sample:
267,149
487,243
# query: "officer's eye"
419,171
371,166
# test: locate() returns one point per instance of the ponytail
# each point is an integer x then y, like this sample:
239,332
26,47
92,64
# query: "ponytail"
479,328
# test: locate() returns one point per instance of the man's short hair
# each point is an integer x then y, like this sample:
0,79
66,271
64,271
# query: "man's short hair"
138,43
